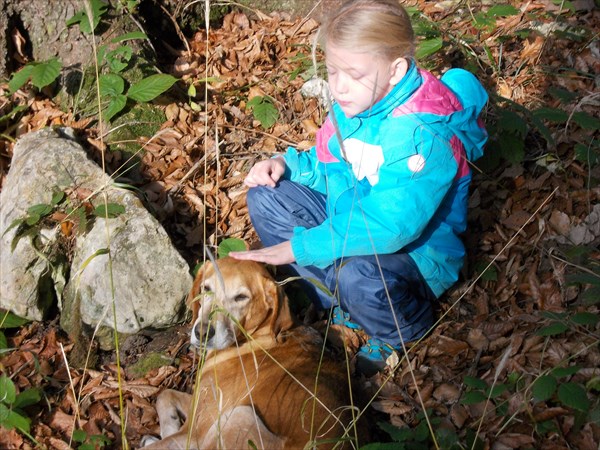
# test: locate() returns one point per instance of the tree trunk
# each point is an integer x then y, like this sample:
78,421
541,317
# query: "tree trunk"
36,30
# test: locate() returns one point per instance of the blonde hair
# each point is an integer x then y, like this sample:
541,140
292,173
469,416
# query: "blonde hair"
381,27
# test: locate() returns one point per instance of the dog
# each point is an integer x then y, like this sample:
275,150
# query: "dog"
264,381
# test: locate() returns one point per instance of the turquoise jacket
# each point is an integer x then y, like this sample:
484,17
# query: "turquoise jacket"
396,176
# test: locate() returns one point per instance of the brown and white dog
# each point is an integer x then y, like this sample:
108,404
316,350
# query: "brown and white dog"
263,382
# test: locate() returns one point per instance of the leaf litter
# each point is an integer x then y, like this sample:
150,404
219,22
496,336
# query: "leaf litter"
493,339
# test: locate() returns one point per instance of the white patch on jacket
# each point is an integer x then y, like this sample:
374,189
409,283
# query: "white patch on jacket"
366,159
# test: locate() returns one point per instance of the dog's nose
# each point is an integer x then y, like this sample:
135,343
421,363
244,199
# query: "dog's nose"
201,333
195,338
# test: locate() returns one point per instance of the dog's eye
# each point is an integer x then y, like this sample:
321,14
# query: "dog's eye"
241,298
207,289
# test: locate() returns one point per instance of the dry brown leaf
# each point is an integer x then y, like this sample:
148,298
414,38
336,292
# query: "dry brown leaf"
391,407
447,393
515,440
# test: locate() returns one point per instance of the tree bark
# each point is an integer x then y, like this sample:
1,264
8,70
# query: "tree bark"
42,25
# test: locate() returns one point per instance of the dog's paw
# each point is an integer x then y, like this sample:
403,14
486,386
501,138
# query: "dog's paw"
147,440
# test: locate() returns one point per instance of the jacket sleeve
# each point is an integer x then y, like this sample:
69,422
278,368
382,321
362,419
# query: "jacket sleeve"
303,167
413,182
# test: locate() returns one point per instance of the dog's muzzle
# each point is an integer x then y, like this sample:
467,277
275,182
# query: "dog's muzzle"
215,335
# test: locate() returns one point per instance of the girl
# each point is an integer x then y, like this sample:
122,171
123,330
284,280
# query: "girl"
374,211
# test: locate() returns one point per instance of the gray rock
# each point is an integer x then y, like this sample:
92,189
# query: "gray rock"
140,283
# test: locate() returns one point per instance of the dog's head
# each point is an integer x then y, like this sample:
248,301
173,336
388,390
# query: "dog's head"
233,299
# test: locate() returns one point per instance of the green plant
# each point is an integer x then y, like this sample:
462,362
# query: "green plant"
112,85
264,110
12,414
418,436
41,74
8,320
90,442
70,212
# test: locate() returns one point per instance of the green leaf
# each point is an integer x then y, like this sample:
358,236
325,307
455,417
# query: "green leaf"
512,122
33,219
86,25
79,435
230,245
554,315
3,342
482,20
487,273
473,397
41,209
562,94
397,434
4,412
544,387
503,11
111,84
13,113
89,259
8,392
115,106
512,148
15,420
110,210
574,396
428,47
583,278
591,296
14,223
10,320
150,87
45,73
551,114
587,155
384,446
496,390
57,197
130,36
553,329
19,79
119,58
475,383
586,121
561,372
585,318
27,397
264,111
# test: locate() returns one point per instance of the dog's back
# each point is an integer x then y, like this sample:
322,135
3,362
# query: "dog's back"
298,397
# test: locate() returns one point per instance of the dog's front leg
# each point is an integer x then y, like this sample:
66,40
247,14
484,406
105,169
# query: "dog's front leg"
172,408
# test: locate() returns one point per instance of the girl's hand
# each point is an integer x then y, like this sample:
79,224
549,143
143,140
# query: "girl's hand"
266,173
276,254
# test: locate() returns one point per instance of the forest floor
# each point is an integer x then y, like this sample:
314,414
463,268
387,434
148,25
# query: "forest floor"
514,359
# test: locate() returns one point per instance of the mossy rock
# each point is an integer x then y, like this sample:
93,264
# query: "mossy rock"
146,363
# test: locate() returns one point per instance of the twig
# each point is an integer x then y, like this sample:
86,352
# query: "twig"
177,29
263,133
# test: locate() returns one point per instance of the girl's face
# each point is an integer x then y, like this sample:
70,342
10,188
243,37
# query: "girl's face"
358,80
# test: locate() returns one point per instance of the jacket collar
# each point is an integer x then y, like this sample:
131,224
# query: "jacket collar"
398,95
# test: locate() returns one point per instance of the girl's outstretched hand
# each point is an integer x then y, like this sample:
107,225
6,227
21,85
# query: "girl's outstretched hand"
266,173
276,254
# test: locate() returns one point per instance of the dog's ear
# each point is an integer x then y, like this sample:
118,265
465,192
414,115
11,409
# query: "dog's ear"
281,319
193,302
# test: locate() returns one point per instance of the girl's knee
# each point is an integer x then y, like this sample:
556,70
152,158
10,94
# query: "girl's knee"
256,198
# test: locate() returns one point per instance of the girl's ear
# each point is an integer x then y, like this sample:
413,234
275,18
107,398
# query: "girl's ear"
398,69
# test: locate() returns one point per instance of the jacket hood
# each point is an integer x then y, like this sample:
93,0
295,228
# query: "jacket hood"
466,123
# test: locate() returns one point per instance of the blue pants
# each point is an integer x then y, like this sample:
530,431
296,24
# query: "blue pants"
384,294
